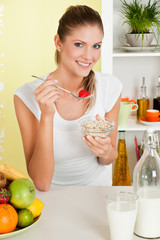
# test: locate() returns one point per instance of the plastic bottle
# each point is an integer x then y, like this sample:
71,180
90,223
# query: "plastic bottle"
142,101
156,99
146,184
121,175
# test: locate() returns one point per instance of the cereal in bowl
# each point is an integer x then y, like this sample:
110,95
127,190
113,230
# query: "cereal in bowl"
95,127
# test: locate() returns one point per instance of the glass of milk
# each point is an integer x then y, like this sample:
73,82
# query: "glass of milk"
121,212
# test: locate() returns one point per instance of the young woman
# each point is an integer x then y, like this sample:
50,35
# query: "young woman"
48,117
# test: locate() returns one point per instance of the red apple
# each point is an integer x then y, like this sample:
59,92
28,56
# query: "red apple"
22,193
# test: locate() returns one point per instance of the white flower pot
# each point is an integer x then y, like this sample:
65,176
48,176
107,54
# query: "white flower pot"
135,40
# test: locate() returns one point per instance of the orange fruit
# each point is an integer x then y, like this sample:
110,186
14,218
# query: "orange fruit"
36,207
8,218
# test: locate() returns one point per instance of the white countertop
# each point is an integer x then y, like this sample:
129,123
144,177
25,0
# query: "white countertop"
77,213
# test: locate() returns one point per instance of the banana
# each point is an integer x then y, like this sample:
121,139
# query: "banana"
10,172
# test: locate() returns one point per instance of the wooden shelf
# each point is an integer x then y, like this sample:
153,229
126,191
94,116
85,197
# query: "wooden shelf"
134,125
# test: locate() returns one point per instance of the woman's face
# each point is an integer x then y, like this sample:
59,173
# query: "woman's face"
81,50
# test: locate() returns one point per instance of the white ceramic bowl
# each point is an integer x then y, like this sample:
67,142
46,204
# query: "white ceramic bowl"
96,128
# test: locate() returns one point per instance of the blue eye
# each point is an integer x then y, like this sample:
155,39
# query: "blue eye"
78,44
97,46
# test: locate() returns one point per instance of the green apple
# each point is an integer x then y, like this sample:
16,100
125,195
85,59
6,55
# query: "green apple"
22,193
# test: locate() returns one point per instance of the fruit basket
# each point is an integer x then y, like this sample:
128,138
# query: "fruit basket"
20,209
20,230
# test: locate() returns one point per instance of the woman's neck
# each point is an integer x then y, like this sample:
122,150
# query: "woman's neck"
67,80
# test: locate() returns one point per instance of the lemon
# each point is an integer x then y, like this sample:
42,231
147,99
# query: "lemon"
36,207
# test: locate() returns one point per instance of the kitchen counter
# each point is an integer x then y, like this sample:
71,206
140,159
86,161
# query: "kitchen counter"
72,213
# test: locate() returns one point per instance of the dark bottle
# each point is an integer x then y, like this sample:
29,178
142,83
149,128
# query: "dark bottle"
142,101
156,99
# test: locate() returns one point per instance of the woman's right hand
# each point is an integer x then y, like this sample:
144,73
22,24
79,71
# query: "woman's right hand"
46,95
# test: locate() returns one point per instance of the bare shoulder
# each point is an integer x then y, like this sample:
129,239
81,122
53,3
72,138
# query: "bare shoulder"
24,115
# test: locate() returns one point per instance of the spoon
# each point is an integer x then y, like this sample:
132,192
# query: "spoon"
73,94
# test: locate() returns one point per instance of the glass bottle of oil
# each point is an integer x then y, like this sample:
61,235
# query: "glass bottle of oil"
121,175
156,99
142,101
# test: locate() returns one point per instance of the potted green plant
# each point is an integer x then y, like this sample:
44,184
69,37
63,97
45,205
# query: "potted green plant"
143,20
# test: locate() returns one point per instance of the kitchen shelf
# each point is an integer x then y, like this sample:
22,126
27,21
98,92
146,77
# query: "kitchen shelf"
134,125
118,52
129,67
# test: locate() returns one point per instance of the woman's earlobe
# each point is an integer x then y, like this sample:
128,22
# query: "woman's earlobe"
57,42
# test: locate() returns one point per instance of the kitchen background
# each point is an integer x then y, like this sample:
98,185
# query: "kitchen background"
27,30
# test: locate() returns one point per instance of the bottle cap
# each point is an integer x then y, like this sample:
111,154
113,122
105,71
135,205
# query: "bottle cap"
143,83
158,81
151,130
150,138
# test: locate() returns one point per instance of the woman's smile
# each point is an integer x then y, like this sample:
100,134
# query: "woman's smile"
83,64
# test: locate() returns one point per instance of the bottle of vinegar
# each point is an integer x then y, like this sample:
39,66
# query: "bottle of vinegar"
156,99
142,101
121,175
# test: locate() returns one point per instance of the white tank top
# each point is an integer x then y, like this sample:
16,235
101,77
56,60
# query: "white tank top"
75,164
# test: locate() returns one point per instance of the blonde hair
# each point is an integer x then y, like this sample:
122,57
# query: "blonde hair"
76,16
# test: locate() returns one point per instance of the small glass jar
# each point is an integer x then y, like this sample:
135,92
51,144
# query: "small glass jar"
146,184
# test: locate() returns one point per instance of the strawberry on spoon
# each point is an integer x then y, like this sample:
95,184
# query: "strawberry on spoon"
84,93
73,94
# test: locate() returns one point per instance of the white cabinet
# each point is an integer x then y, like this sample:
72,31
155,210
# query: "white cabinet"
129,67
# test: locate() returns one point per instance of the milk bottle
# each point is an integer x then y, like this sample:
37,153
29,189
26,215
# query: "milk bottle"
146,183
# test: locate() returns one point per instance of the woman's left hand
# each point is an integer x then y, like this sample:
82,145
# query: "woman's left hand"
99,146
105,148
